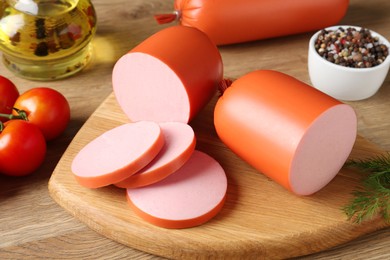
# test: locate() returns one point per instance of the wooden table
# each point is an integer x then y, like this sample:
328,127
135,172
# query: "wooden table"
34,226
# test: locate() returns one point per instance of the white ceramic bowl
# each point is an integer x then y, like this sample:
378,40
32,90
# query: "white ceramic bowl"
345,83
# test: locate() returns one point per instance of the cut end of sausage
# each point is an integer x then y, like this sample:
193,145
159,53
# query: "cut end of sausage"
189,197
179,145
149,90
323,150
117,154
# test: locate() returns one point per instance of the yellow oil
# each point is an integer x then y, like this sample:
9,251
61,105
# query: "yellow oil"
46,39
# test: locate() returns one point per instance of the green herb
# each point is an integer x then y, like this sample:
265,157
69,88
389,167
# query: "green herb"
373,198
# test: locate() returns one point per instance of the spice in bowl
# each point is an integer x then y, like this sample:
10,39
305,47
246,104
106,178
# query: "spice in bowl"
348,62
351,47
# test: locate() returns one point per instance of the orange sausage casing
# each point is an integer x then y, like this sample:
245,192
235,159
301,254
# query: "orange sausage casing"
234,21
289,131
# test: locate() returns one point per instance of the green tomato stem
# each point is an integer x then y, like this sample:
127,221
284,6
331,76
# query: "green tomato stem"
11,116
21,115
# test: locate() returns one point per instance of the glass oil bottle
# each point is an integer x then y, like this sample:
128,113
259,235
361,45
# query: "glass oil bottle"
46,39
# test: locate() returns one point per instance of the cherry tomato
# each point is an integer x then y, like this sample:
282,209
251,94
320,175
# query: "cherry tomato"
46,108
22,148
8,95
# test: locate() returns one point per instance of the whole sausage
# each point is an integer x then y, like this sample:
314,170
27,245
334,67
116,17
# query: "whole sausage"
170,76
235,21
287,130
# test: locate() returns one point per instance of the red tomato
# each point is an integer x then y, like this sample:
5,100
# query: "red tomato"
22,148
8,94
46,108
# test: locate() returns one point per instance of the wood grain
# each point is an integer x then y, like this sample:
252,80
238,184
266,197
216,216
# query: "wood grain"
33,226
259,218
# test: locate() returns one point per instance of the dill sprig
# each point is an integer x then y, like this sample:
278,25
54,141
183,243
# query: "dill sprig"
373,198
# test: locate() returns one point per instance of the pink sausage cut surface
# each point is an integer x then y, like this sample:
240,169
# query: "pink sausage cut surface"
179,145
323,150
159,97
189,197
117,154
170,76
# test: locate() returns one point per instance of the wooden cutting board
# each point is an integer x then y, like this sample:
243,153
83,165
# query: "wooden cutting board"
260,219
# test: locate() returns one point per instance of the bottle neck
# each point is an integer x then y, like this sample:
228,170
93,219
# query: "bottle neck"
43,7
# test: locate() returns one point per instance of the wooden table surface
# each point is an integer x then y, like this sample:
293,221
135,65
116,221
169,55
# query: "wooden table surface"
33,226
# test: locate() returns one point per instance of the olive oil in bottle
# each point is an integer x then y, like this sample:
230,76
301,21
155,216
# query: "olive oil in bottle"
46,39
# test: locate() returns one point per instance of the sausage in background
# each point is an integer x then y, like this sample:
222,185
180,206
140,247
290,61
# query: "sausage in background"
235,21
